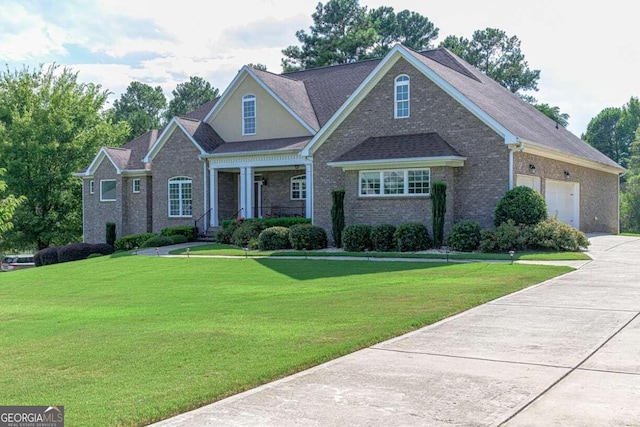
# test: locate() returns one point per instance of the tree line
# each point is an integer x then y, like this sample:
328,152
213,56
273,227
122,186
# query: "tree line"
51,124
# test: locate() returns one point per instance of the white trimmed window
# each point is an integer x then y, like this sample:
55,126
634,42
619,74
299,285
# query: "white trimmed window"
402,97
136,185
249,115
180,197
402,182
107,190
299,187
92,187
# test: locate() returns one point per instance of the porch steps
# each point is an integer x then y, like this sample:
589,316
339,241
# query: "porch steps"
209,235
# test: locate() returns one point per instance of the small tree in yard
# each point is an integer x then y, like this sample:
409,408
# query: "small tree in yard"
337,216
111,233
439,208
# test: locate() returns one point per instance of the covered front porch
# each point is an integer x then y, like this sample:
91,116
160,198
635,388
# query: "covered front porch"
259,188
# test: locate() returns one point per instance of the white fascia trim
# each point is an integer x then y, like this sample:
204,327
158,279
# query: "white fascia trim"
248,153
257,161
136,172
452,161
162,139
542,151
227,94
98,159
397,52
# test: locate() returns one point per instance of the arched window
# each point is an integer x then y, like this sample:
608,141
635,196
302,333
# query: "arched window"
299,187
180,197
402,97
249,115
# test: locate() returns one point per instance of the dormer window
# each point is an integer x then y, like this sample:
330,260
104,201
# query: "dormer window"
402,97
249,115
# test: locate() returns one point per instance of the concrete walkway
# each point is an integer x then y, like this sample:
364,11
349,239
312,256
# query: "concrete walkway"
562,353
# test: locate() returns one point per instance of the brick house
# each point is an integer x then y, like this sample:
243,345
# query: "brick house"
383,130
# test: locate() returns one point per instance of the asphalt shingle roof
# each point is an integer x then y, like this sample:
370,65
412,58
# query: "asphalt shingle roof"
422,145
203,134
280,144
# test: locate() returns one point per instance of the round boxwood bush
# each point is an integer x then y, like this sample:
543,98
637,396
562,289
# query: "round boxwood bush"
522,205
507,236
382,238
556,235
357,238
274,238
178,238
246,231
307,236
464,236
412,237
156,241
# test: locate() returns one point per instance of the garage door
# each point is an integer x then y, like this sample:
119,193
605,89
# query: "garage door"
563,201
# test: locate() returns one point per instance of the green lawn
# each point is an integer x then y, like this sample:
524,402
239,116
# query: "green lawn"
129,340
229,250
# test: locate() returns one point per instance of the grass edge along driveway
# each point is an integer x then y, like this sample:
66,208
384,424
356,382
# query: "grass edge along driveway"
129,340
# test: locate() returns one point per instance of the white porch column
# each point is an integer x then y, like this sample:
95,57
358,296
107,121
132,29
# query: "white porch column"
246,191
213,197
309,183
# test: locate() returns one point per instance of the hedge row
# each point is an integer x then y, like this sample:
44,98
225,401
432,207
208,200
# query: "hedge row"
409,237
71,252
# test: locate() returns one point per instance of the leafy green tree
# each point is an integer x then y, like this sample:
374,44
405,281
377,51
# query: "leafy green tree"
497,55
411,29
613,130
630,197
553,113
257,66
344,32
141,106
51,126
190,95
8,206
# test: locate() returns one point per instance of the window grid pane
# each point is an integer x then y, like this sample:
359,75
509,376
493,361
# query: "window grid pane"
249,115
419,181
108,190
402,97
299,188
370,183
180,198
393,182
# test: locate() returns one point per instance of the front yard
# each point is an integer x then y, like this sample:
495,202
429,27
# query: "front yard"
128,340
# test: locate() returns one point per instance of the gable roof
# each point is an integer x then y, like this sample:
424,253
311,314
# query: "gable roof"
278,144
127,158
201,112
203,137
515,120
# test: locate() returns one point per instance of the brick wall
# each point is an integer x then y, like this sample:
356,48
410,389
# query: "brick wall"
598,190
178,157
135,206
277,192
473,190
97,213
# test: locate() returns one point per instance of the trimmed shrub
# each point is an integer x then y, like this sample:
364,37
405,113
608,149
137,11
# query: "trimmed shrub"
307,236
111,233
178,238
157,241
556,235
357,238
464,236
188,231
274,238
132,241
439,209
224,235
254,244
522,205
382,238
73,252
337,216
47,256
245,232
412,237
268,222
101,248
506,237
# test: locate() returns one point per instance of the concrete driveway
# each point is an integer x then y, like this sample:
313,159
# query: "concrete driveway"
562,353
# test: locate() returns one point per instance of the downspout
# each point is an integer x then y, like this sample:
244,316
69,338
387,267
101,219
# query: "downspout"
204,196
513,148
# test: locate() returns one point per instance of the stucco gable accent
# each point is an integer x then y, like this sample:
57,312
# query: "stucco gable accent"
395,54
246,72
164,137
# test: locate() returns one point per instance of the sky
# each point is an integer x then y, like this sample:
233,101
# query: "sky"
587,52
